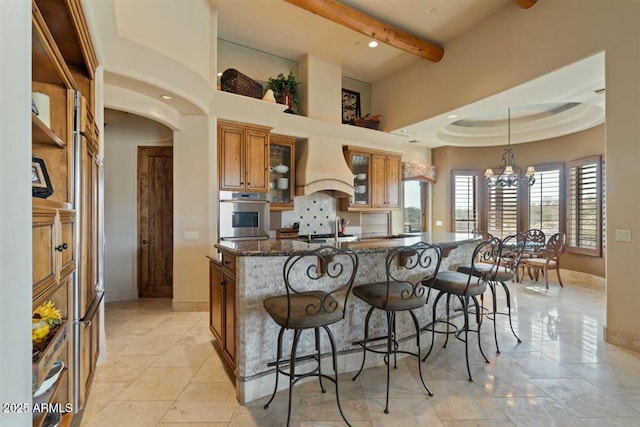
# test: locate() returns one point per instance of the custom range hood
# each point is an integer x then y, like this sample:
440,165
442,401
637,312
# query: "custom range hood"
320,166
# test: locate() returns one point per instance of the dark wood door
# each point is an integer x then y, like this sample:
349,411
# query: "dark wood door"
155,222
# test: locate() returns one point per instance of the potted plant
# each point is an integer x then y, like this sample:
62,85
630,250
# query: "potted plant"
285,89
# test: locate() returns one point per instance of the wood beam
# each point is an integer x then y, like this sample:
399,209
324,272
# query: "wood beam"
369,26
525,4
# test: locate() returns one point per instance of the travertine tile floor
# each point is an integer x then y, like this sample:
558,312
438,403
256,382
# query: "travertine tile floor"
161,370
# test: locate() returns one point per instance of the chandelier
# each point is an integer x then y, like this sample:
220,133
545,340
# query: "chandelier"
507,177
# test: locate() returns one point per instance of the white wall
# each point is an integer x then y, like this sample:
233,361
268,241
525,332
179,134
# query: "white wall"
15,212
515,46
177,29
253,63
122,139
194,200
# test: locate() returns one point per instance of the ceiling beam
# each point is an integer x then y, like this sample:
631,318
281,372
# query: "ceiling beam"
525,4
369,26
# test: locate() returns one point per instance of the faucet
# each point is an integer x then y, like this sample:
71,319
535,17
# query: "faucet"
337,227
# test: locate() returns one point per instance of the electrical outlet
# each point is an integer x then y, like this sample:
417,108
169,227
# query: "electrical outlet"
438,223
191,235
623,235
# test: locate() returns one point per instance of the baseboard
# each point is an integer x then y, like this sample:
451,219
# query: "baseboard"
123,295
189,305
622,339
579,278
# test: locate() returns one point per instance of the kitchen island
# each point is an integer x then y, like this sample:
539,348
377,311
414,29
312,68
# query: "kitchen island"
251,271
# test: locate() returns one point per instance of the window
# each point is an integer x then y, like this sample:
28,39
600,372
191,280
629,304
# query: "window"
465,201
545,195
414,203
502,211
584,206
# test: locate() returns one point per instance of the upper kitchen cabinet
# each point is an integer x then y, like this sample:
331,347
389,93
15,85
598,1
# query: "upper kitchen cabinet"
376,179
282,172
386,180
359,161
243,157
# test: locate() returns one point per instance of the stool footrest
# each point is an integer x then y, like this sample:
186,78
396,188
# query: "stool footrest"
298,359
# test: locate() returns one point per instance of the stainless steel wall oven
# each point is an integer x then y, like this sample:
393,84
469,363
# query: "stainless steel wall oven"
244,216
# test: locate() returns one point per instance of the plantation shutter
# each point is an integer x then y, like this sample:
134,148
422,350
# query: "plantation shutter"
584,198
465,202
502,211
545,210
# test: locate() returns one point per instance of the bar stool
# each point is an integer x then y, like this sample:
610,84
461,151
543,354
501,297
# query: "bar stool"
409,269
464,287
507,261
318,284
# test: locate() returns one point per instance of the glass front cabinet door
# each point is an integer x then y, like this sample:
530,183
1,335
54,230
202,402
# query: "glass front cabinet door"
282,172
360,164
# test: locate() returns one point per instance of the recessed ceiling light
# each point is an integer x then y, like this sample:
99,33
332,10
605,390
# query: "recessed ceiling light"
433,10
404,131
373,43
452,116
166,97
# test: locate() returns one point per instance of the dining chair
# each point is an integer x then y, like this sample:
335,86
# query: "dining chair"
549,259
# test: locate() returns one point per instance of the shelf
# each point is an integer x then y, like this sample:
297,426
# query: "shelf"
47,398
37,202
41,134
47,63
41,367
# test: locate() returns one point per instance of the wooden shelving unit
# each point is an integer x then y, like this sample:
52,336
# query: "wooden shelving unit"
63,65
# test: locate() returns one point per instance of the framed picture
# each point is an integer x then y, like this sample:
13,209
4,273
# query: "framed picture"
350,106
40,183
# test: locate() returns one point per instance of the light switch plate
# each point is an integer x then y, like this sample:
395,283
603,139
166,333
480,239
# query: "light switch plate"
438,223
191,235
623,235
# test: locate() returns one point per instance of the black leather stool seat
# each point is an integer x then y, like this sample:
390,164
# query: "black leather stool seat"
375,294
323,304
499,274
454,282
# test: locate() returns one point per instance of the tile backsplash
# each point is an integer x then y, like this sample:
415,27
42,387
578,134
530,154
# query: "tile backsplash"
316,213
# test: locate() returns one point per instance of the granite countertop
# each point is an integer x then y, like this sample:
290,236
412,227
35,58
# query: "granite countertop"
287,247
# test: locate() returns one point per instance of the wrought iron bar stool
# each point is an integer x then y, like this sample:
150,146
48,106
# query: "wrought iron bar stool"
318,284
409,270
502,268
464,287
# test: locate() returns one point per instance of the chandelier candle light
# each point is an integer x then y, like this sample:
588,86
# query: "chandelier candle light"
507,177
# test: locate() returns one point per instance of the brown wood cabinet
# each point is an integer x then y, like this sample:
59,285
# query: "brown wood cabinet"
64,224
282,151
377,179
243,157
222,306
386,180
